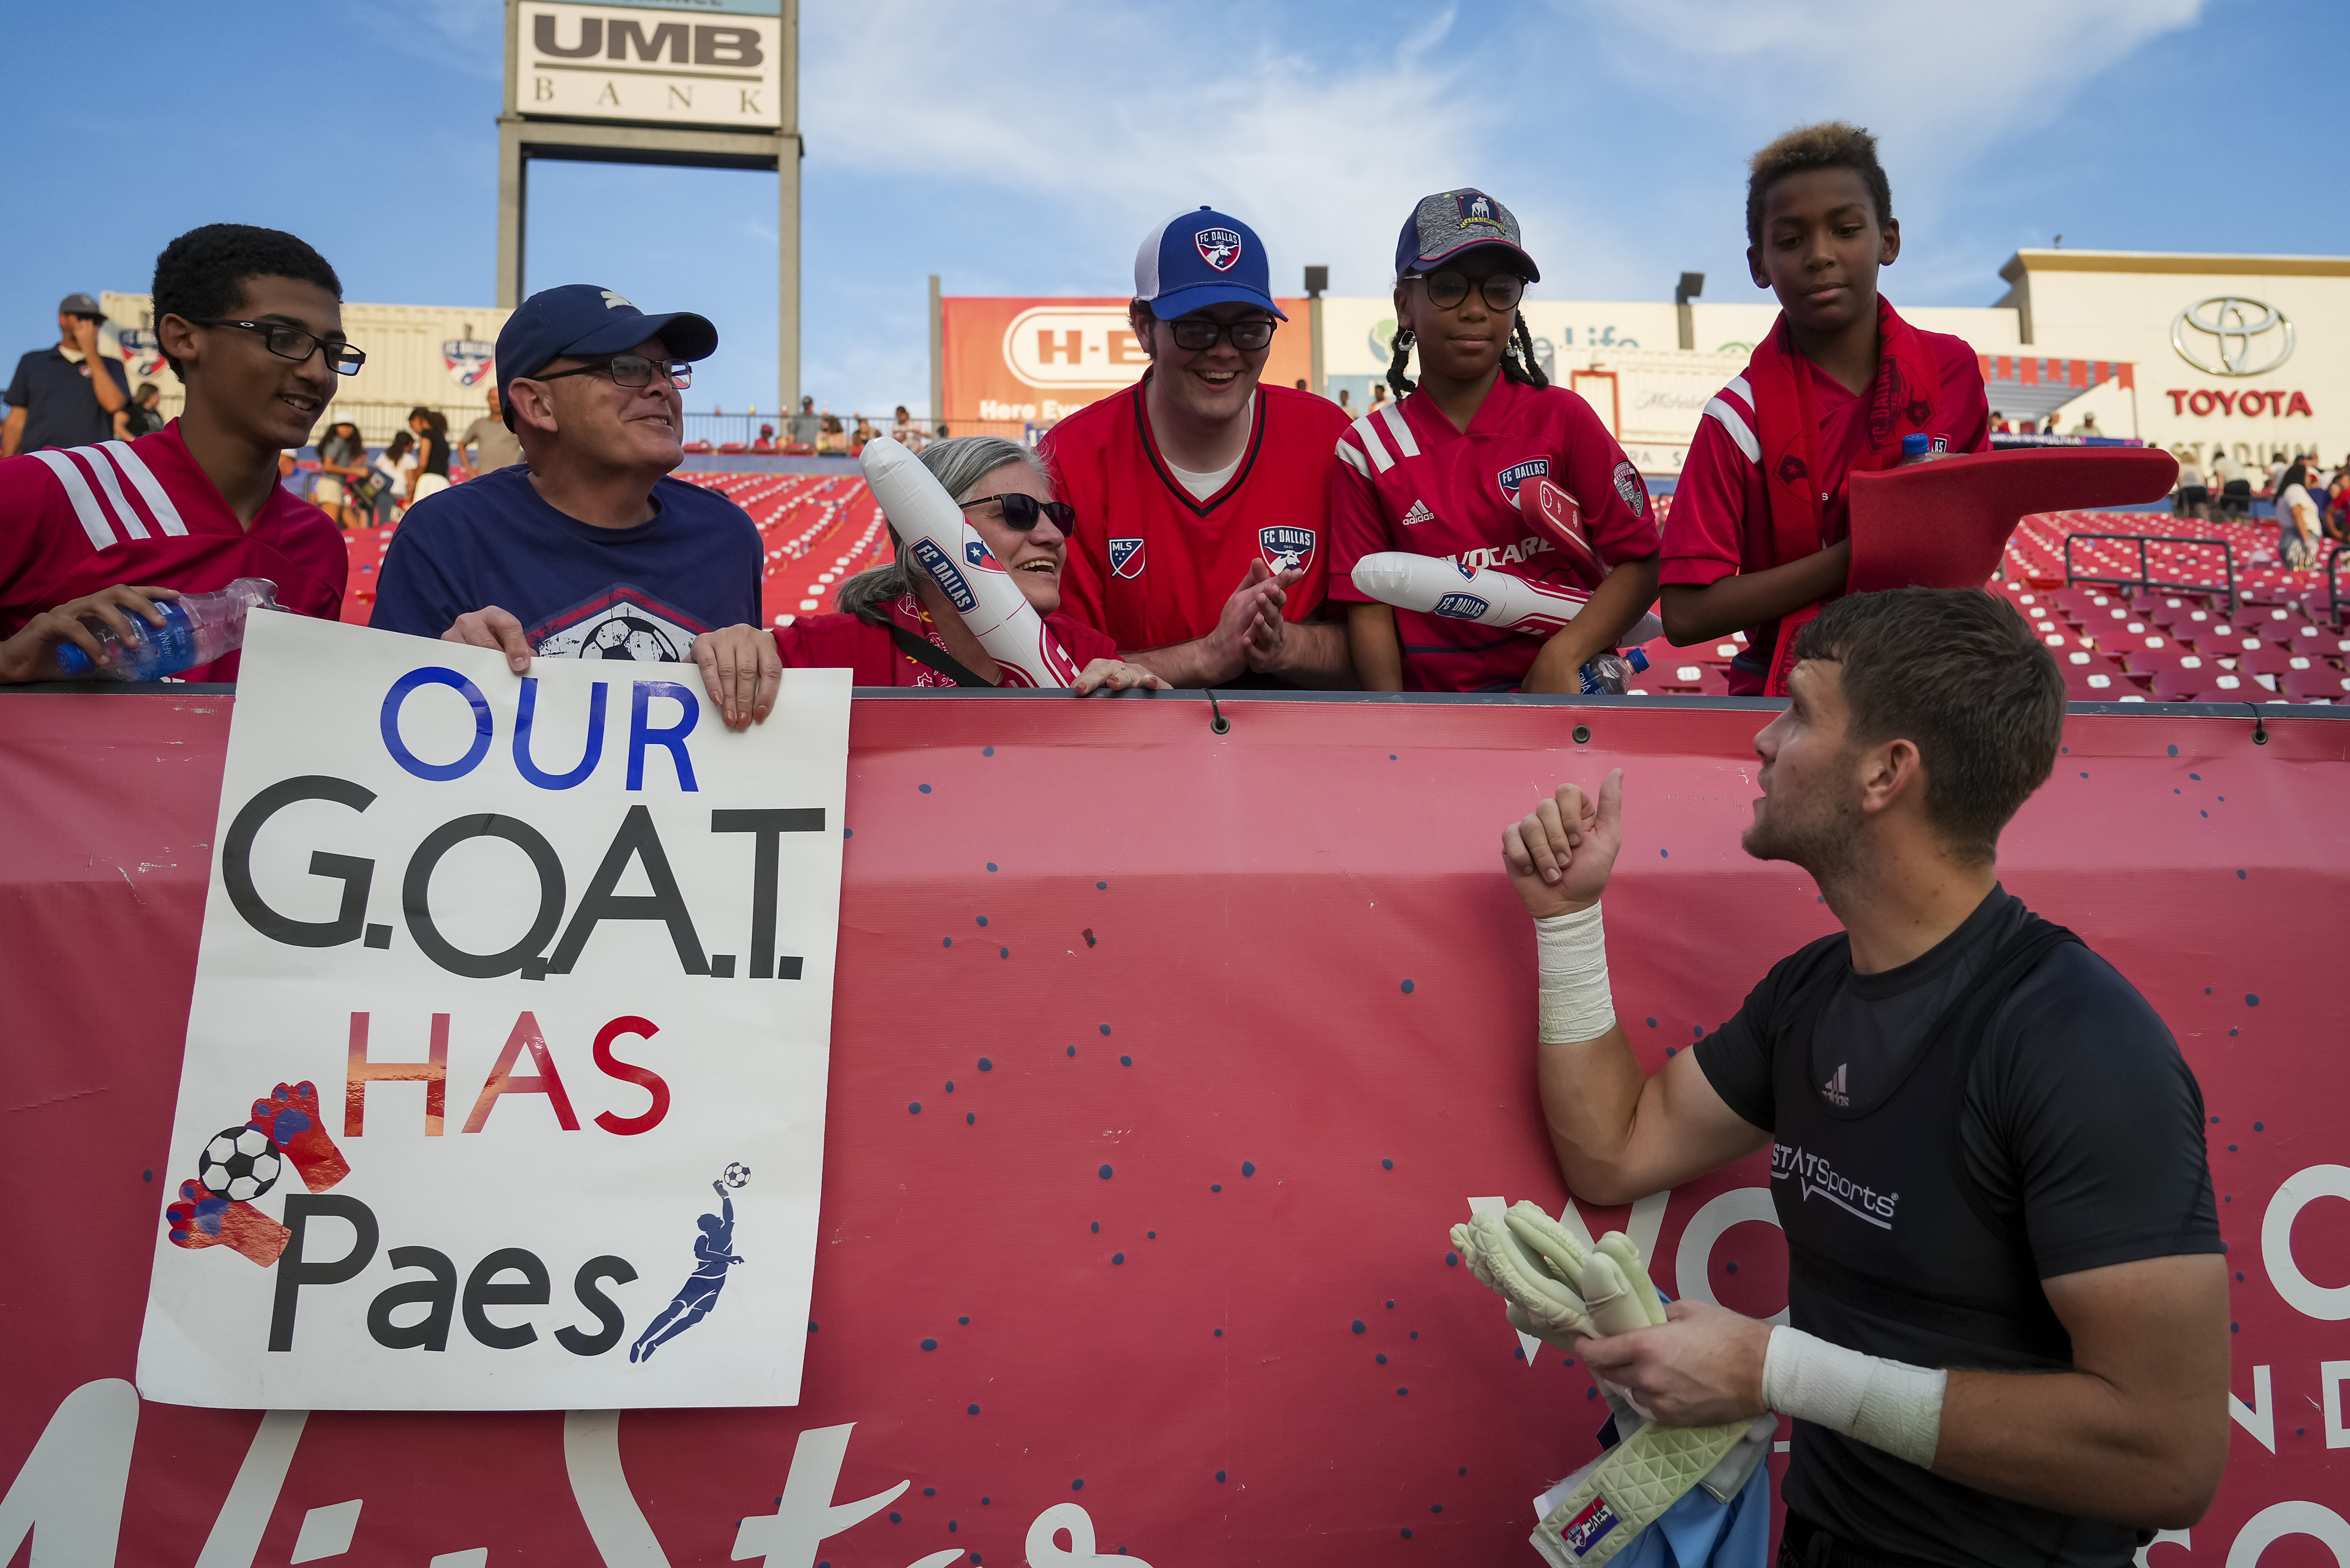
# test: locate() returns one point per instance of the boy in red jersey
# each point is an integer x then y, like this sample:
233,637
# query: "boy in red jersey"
1484,465
1759,531
252,322
1200,493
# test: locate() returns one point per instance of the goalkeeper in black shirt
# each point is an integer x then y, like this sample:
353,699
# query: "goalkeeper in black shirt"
2010,1309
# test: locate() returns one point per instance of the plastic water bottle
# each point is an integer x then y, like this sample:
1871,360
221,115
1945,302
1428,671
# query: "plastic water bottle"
197,629
1919,447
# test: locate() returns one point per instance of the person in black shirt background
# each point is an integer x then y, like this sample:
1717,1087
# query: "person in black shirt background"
66,395
2008,1335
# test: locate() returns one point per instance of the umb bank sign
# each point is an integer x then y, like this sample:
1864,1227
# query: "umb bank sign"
715,64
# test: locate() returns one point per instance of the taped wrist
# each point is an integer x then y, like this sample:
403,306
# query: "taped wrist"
1571,961
1887,1404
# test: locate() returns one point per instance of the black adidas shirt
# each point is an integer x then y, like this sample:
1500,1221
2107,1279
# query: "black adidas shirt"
1946,1135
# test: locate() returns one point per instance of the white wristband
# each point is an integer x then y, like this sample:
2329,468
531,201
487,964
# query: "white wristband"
1887,1404
1571,963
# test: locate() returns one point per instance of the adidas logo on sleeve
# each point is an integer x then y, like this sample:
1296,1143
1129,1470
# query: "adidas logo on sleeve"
1419,514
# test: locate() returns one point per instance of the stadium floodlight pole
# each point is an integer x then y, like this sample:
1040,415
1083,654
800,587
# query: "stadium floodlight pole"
1692,283
938,362
1317,279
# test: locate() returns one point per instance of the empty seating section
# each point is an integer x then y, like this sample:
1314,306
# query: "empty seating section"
817,530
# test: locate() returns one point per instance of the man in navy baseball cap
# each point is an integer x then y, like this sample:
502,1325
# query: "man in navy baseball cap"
1203,493
587,548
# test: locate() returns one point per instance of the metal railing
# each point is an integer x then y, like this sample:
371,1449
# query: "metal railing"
2334,585
2145,581
724,431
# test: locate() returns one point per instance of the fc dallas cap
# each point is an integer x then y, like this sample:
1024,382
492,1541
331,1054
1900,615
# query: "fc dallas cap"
583,319
1202,258
1451,221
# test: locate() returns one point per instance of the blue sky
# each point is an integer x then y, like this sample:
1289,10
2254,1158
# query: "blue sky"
1024,149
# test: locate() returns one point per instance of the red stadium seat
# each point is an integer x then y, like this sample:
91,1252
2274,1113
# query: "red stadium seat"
2190,680
2321,682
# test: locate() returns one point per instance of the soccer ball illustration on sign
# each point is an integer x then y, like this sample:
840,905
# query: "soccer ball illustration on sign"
239,1163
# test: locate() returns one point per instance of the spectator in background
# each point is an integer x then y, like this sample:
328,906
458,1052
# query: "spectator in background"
342,458
834,440
492,440
2194,498
430,477
55,399
863,434
1345,407
144,417
588,549
2048,427
1378,396
2297,532
2088,425
895,627
906,432
1998,424
766,442
805,428
389,471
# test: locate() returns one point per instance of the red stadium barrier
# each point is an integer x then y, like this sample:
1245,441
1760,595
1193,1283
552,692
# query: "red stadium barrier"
1211,1037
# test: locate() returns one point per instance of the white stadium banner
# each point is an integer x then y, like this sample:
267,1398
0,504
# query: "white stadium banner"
721,68
504,1078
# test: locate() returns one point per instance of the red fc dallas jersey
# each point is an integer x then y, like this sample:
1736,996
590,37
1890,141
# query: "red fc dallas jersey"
76,520
1151,562
1536,486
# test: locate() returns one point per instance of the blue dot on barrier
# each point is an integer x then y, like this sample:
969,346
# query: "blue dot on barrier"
1003,952
2174,751
1672,1050
1664,855
1104,1029
1220,1475
1103,1173
1097,1227
1248,1168
1126,1061
1102,887
946,941
1465,1470
2259,1127
987,750
1436,1508
971,1119
991,866
2250,1001
965,1321
2197,777
1383,1358
1652,1024
1219,1334
1406,988
1403,1391
2240,876
986,1065
2084,776
1117,1257
1386,1165
930,1345
914,1109
925,789
2231,1148
1391,1304
1073,1050
811,1325
1360,1327
949,1085
1215,1186
929,1491
1078,1485
983,920
1406,1532
1451,1260
849,833
1697,1031
970,1409
895,1517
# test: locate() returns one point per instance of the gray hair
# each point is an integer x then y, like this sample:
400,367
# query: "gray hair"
958,465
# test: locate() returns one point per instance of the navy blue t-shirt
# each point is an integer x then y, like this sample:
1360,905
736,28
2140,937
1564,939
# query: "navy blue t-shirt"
580,591
60,409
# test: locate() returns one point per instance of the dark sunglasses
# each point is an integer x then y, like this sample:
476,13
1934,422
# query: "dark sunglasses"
292,343
628,370
1196,333
1502,290
1021,511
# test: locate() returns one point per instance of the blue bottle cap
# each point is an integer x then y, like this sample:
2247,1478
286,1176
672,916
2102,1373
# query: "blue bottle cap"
1918,443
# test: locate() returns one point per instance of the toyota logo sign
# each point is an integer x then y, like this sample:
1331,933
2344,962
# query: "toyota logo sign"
2231,324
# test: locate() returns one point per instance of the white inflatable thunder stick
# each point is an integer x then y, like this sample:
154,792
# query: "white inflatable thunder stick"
1489,597
940,540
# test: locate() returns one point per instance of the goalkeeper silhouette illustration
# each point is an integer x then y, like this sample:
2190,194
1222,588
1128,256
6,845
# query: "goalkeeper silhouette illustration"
714,1254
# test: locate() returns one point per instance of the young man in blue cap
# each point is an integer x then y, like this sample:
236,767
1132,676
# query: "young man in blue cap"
586,549
1202,496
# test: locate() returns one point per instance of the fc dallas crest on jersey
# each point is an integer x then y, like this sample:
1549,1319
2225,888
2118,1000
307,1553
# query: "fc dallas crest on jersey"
1286,548
1219,248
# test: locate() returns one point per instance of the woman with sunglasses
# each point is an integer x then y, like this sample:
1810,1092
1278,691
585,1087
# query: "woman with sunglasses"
1483,464
894,628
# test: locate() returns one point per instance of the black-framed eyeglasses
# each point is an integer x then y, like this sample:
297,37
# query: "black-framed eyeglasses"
1502,290
1021,511
289,342
627,370
1196,333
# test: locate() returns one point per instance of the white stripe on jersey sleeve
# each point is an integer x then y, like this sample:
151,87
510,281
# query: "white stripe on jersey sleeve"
142,479
1368,434
1745,393
123,510
1355,459
1391,415
1731,421
86,510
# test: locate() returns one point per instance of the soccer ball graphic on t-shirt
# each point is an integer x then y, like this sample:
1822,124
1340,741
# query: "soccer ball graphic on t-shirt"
625,622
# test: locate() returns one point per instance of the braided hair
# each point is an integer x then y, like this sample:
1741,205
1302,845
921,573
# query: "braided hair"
1518,361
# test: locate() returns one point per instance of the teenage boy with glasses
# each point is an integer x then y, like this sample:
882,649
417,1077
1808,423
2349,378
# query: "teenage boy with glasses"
250,320
1202,494
586,549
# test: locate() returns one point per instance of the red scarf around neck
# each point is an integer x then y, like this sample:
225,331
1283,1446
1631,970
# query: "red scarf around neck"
1901,400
